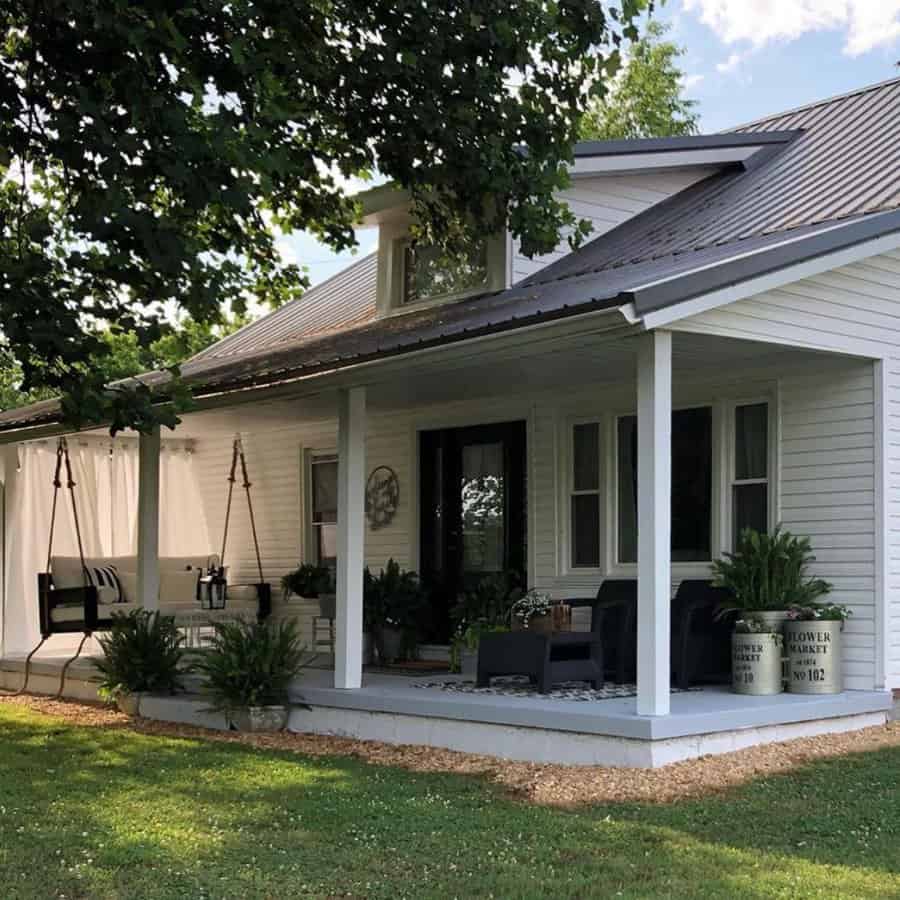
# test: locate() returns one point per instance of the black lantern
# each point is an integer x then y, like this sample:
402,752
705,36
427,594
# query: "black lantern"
213,588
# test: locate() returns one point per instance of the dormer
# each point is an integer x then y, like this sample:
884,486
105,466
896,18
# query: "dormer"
611,182
412,275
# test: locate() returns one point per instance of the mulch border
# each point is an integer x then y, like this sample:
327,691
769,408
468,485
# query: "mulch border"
539,783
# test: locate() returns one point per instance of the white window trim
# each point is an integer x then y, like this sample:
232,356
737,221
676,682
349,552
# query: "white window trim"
569,567
392,238
722,406
731,464
308,458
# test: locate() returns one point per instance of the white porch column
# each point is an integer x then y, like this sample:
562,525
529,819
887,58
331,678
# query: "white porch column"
148,520
654,414
348,648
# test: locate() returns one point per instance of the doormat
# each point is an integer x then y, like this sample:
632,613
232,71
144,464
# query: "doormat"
520,686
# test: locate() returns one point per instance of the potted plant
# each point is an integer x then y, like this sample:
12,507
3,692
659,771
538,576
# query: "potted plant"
392,604
249,667
767,575
484,609
312,583
142,654
756,656
813,638
533,612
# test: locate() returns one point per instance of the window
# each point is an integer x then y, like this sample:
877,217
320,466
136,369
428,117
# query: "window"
430,273
585,498
323,510
691,486
750,487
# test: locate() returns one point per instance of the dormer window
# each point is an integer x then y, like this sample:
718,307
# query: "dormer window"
430,273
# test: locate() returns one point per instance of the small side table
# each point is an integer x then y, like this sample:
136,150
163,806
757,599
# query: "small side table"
545,658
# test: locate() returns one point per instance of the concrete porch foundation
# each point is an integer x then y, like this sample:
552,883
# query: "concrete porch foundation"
390,708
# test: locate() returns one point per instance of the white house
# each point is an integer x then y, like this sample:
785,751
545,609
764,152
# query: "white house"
723,352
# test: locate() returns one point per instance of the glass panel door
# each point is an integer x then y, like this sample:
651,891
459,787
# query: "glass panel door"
472,511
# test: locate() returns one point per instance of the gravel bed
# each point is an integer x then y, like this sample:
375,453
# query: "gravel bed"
553,785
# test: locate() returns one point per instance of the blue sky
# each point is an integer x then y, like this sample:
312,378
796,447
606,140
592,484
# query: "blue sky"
745,59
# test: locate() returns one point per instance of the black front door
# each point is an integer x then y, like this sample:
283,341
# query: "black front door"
472,511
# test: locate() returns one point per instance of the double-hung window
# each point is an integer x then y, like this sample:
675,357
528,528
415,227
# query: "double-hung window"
691,486
750,483
323,511
585,496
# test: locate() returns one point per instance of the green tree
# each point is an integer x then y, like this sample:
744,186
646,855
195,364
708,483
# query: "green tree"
151,152
646,99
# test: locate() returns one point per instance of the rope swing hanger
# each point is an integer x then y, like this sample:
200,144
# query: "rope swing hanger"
217,580
48,597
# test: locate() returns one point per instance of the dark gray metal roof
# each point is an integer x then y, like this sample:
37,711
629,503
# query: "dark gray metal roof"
833,185
343,301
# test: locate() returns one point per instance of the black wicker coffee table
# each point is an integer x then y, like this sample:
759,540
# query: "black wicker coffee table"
545,658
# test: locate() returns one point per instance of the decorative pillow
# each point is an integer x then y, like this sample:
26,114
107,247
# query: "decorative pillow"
178,589
128,580
107,577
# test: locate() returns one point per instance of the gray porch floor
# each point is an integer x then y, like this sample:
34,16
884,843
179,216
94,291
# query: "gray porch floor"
693,712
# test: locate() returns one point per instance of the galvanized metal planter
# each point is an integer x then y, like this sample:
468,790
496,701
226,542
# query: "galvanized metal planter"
756,663
814,656
774,618
259,719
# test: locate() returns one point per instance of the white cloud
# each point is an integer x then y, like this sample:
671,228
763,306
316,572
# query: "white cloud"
867,23
730,64
691,81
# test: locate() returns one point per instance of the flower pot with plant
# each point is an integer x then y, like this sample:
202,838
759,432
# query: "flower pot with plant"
756,656
248,670
767,575
533,612
312,583
393,604
484,609
142,654
813,638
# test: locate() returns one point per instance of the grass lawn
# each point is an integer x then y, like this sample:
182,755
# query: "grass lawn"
91,812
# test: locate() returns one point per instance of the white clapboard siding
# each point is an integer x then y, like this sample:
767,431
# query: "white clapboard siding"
607,201
826,479
828,427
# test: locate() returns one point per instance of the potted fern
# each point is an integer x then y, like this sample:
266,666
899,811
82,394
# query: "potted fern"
393,602
767,576
142,654
312,583
248,668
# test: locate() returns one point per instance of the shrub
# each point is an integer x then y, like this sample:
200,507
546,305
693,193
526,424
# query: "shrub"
768,571
251,663
141,652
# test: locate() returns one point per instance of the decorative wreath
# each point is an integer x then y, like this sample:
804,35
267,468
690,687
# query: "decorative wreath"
382,496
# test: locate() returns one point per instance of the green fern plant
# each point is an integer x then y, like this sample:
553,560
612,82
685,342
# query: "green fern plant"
141,652
769,572
252,663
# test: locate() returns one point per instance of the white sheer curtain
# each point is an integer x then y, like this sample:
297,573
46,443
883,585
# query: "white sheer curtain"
106,475
183,530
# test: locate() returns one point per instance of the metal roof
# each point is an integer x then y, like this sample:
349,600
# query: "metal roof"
345,300
831,183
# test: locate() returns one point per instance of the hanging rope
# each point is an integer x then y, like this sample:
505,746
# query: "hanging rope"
62,458
237,456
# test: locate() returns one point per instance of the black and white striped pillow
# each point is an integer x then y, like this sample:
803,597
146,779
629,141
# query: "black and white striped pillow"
107,576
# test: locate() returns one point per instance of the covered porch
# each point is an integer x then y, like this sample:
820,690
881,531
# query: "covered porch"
821,479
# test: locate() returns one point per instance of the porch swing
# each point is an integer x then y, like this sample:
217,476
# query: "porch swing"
68,610
212,588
